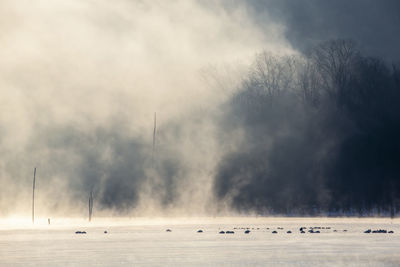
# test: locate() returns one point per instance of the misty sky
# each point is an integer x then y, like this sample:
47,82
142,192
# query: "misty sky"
80,82
371,23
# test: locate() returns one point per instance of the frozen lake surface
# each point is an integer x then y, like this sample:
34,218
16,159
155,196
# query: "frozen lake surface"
133,242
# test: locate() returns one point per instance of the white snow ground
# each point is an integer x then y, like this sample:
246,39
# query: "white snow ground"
139,242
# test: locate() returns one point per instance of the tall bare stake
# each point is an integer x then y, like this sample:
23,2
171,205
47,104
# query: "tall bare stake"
90,205
154,136
33,196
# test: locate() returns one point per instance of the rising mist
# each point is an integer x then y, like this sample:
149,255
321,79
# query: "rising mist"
287,130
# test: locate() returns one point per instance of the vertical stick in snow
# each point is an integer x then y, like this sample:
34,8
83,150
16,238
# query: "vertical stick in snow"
90,205
154,136
33,195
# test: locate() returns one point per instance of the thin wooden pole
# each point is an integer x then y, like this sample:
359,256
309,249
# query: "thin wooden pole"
33,196
154,136
90,205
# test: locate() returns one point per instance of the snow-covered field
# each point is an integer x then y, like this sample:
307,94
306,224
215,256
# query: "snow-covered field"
141,241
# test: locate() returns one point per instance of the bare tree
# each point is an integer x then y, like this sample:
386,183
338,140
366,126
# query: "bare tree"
335,61
272,74
309,84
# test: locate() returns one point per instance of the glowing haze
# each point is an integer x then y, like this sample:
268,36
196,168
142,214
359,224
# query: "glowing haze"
267,106
80,82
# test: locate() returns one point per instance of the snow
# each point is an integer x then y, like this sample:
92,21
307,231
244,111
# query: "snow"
140,241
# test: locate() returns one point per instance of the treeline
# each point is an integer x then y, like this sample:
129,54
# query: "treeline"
317,133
